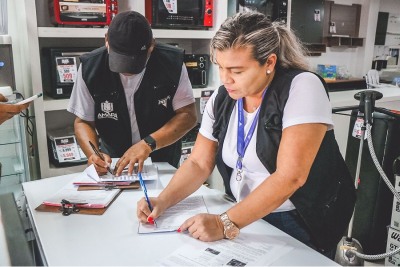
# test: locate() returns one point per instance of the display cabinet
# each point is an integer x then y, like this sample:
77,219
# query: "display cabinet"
51,113
14,168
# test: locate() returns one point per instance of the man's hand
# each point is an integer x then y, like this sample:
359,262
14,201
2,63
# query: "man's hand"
7,111
99,164
137,153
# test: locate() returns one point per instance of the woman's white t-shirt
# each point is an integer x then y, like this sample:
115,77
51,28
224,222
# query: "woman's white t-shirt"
307,103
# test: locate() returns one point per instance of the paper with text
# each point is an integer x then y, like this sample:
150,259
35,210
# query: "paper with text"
149,172
92,198
173,217
247,249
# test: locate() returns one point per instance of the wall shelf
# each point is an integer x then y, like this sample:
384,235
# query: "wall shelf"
69,32
343,41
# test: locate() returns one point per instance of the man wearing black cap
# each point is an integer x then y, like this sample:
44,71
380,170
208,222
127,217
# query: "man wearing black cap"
136,94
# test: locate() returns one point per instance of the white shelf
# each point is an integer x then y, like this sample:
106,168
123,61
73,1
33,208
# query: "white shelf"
197,91
51,104
65,32
69,32
183,34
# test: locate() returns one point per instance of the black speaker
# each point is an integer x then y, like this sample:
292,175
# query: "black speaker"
197,67
374,199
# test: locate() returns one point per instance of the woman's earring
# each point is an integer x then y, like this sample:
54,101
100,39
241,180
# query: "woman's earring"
268,72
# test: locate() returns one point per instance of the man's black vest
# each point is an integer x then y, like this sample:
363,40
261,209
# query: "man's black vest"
153,100
326,201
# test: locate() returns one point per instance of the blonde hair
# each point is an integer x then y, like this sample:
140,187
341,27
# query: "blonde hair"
255,30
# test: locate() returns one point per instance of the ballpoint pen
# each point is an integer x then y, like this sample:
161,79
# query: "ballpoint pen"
101,156
145,193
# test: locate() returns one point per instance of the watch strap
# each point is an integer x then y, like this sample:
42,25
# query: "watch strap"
151,142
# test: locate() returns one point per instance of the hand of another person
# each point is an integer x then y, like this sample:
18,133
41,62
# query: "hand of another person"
137,153
99,164
7,111
143,211
204,226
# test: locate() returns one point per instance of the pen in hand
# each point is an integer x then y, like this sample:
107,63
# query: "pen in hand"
145,193
100,156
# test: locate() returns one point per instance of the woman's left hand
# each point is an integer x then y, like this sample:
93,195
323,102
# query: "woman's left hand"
204,226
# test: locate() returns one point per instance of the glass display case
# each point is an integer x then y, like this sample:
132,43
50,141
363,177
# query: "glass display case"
14,168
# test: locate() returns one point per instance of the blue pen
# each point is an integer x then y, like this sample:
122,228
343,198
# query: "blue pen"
145,193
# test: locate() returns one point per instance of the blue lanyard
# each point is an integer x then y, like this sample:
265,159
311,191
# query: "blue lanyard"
242,142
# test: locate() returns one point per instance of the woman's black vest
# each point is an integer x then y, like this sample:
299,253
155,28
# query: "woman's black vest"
153,100
326,201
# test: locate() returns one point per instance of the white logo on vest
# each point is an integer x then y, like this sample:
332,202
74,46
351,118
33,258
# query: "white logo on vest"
107,109
164,101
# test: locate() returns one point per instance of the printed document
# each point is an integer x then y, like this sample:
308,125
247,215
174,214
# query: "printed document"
173,217
149,172
247,249
92,198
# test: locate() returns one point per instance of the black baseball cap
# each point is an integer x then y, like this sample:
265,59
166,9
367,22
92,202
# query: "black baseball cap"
129,38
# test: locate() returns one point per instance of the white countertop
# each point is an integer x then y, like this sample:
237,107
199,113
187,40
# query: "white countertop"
112,238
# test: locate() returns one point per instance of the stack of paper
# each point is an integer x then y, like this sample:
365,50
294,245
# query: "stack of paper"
90,176
149,172
87,199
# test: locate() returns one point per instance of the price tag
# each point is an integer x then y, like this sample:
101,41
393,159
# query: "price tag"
67,149
205,95
67,69
185,154
357,129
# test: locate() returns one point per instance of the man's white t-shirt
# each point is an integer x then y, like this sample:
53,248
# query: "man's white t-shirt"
81,102
307,103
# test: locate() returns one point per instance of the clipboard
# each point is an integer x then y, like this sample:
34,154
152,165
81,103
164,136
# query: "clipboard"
88,211
57,209
134,185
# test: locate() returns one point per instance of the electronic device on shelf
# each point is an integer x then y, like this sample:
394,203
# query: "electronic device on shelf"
64,149
275,10
181,14
197,67
83,12
62,65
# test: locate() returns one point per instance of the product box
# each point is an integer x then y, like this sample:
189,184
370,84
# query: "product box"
393,242
328,72
395,221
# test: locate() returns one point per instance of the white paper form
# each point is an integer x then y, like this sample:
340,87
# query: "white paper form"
247,249
150,172
173,217
93,198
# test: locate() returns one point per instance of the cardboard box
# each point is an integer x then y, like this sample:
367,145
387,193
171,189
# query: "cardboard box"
395,220
393,242
328,72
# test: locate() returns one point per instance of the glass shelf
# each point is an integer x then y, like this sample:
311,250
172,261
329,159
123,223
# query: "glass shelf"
10,166
9,137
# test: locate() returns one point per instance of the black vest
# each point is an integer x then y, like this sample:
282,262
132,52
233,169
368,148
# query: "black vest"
153,100
326,201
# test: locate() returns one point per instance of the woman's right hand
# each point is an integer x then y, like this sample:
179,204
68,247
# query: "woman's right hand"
143,211
99,164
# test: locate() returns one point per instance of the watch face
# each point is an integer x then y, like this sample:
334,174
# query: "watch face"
232,232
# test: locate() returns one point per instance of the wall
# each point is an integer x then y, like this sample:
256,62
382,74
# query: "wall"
357,60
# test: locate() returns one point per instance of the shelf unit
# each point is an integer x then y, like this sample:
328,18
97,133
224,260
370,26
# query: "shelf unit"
14,168
343,41
51,113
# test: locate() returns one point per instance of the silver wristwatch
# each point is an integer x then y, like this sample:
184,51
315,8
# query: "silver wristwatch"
231,231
